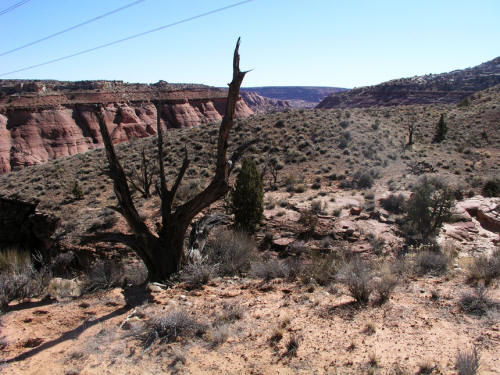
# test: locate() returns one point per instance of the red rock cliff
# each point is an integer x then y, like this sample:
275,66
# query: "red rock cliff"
35,128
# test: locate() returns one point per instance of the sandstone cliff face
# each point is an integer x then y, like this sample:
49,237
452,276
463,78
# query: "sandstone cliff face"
34,135
295,96
261,104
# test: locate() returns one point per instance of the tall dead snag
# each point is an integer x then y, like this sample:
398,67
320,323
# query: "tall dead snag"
162,251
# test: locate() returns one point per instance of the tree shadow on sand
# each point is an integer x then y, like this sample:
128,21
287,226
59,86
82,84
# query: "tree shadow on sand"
134,296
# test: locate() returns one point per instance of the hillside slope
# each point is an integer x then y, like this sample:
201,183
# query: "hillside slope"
433,88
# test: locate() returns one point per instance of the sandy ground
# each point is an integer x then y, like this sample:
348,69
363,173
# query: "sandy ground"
413,328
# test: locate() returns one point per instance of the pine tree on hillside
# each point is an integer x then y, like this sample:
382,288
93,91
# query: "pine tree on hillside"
247,197
441,130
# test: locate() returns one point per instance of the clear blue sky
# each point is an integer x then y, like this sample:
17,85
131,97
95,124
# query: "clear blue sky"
345,43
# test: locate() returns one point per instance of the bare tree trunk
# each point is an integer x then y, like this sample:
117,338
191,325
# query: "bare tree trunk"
162,252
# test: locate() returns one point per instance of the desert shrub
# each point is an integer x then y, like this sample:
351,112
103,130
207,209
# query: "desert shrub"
106,219
104,274
346,184
64,264
12,259
229,314
467,361
363,179
168,326
292,346
76,191
394,203
279,124
188,190
293,266
199,274
218,335
491,188
484,268
369,195
18,278
283,203
247,197
268,270
322,269
385,284
344,140
231,251
464,102
377,243
317,206
309,220
316,185
428,207
431,262
357,277
475,303
290,182
300,188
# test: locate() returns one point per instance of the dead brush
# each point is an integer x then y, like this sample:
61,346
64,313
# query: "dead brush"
475,303
292,346
484,268
275,337
231,251
168,326
431,262
197,275
322,269
229,314
467,361
268,270
218,335
357,277
18,277
384,284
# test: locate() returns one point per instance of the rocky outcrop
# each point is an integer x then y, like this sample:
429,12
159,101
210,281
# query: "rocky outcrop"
22,226
433,88
485,210
261,104
35,128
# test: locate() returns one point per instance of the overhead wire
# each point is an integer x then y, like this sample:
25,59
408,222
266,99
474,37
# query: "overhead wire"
73,27
128,38
12,7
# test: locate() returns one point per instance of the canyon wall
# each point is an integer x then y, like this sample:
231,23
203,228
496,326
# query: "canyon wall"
36,128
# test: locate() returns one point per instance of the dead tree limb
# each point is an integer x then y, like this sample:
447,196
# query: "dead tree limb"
143,181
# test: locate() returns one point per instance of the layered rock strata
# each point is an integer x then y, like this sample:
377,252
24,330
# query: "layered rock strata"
35,128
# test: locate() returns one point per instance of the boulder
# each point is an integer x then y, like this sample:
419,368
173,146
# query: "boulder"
486,210
356,210
21,225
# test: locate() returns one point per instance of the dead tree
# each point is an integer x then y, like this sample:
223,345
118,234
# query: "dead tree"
411,130
271,165
163,251
143,180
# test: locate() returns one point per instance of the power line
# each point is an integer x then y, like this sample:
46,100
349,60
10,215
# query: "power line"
128,38
73,27
12,7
